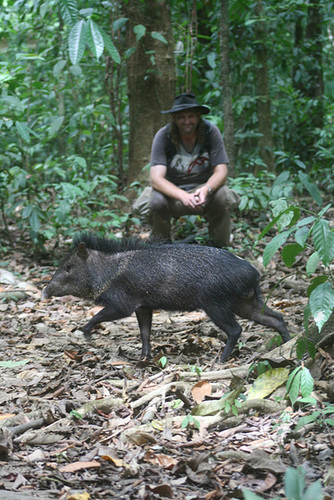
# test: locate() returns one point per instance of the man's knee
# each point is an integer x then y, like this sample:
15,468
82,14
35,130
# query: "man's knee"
158,202
223,200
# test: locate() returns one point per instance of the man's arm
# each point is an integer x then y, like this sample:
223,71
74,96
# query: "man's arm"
164,186
215,181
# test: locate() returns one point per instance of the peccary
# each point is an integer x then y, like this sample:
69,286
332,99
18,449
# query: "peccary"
131,276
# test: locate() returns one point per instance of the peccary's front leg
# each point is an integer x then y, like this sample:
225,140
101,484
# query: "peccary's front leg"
108,313
144,317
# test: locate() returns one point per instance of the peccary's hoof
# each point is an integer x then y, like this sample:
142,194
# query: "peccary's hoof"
88,336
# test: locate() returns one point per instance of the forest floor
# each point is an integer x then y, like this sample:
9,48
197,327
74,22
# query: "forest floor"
85,420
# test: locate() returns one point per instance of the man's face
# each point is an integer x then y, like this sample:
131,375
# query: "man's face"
187,121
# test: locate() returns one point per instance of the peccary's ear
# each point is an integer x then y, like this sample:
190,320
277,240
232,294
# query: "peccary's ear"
82,251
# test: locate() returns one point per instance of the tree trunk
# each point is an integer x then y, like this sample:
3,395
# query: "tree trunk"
266,143
307,75
226,86
151,79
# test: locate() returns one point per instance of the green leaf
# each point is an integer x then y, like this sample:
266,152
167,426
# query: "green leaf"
323,239
266,383
318,280
301,235
294,483
58,67
69,11
274,245
55,125
290,252
139,30
296,212
322,303
77,41
158,36
312,263
307,220
94,38
310,187
306,382
76,70
23,130
119,23
293,385
80,160
35,220
249,495
113,52
314,492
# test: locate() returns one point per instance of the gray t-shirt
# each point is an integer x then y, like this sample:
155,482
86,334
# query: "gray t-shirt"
189,169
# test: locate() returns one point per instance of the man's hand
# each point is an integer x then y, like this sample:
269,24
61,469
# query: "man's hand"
196,200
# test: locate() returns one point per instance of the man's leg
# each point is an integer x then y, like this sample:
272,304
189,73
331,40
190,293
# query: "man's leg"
159,215
217,213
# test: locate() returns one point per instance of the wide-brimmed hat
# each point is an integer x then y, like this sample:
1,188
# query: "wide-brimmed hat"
186,101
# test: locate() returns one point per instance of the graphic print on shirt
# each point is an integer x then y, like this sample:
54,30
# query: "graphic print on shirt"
190,167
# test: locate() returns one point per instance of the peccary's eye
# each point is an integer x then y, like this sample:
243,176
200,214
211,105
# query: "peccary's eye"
68,268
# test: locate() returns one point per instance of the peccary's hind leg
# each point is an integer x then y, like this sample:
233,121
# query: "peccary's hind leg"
255,310
144,317
224,318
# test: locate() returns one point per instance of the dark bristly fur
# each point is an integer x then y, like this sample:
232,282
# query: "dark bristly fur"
111,246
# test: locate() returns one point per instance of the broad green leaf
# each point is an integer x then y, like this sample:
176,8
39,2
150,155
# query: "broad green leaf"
113,52
80,160
318,280
139,30
293,385
294,483
307,315
324,210
290,252
307,220
76,70
23,130
119,23
306,382
314,492
77,41
267,383
310,187
296,212
86,12
55,125
301,235
274,245
249,495
323,239
322,303
71,192
94,38
69,11
58,67
35,220
158,36
312,263
212,60
280,206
